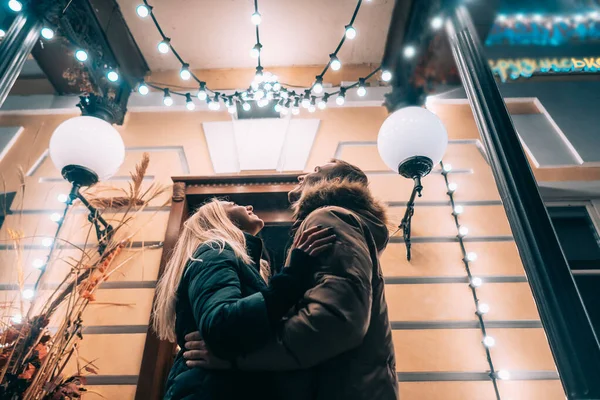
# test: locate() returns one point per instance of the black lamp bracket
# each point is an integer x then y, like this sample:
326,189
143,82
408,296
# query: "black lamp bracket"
413,168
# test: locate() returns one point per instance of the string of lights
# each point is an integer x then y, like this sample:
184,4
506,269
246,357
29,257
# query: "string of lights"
475,282
265,87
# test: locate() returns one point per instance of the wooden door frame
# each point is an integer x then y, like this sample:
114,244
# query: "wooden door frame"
265,192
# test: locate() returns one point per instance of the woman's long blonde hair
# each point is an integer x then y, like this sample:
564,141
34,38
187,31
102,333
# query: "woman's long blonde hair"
211,225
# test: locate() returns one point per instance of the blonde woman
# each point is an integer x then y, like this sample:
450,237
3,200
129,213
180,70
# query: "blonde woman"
214,283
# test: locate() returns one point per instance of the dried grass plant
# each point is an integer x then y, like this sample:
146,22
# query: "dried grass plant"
35,350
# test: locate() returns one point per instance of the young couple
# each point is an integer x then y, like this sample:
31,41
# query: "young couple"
319,329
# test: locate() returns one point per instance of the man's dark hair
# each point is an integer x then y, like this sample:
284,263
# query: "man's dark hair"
345,170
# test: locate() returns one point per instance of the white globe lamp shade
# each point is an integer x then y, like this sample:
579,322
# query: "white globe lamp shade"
411,141
86,150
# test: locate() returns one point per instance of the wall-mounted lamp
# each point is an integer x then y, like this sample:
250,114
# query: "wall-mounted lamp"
411,141
87,150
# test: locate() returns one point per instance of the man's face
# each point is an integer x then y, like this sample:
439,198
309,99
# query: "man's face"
305,180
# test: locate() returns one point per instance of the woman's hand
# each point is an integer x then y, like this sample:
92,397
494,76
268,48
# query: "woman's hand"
314,241
198,355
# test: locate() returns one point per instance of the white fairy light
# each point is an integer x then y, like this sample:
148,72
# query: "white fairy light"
47,33
295,110
277,87
458,209
256,18
322,104
503,374
483,308
246,106
409,51
15,5
335,63
112,76
318,86
350,32
452,187
143,89
164,46
189,104
17,319
437,22
489,341
471,256
142,11
447,167
476,282
28,294
463,231
386,75
185,73
63,198
167,99
38,263
55,217
81,55
47,242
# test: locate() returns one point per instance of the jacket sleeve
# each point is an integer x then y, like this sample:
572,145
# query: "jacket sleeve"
334,315
229,324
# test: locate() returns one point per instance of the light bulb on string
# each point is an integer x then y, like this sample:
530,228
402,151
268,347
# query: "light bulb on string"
285,111
278,108
341,98
483,308
520,17
15,5
63,198
189,103
185,73
284,93
246,106
81,55
306,99
202,95
437,22
2,33
231,108
47,33
277,86
322,104
17,319
47,242
255,52
578,18
476,282
28,294
262,103
463,231
489,341
537,17
259,94
270,95
452,187
471,257
38,263
458,210
268,86
167,99
164,46
503,374
501,18
256,18
409,51
350,32
312,107
143,89
55,217
447,167
112,76
215,104
362,90
335,62
386,75
142,10
318,86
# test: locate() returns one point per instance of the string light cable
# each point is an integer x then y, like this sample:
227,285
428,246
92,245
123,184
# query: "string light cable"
475,282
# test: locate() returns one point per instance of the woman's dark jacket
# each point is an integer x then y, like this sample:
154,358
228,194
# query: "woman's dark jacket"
219,295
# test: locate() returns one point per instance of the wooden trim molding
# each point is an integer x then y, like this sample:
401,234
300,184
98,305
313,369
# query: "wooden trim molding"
267,193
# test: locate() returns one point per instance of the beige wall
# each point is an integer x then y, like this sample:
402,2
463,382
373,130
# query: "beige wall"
421,294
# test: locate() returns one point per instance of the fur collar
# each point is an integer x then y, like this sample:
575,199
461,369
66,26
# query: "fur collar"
353,196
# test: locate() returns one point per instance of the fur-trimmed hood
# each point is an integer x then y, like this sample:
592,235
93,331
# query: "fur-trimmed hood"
353,196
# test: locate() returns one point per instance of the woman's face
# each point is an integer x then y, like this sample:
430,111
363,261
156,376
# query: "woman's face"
244,218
